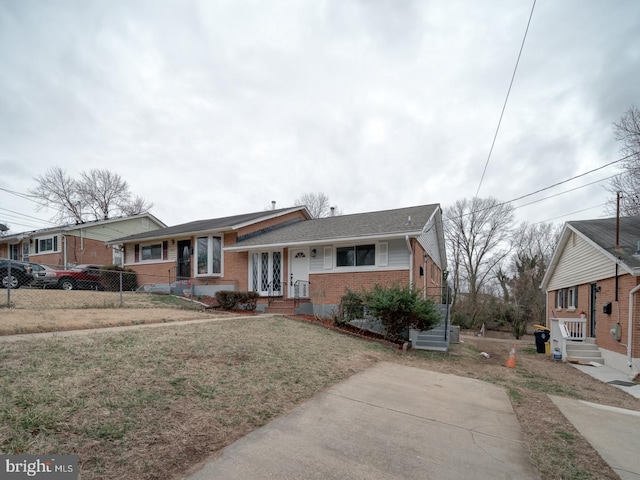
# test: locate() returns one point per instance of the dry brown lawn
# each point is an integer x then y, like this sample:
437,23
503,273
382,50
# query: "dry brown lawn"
37,310
151,403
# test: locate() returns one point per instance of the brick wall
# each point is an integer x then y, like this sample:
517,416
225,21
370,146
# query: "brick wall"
604,322
328,288
86,250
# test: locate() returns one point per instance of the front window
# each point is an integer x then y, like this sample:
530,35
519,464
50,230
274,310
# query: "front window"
13,251
45,245
151,252
357,256
209,255
567,298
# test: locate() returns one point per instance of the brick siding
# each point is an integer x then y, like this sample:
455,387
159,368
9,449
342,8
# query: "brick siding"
604,322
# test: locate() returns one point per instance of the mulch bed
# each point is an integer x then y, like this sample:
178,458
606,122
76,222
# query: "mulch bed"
348,330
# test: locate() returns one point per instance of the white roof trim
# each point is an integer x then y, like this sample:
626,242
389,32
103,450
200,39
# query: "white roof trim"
327,241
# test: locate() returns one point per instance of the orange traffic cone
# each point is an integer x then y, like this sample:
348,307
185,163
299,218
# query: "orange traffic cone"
511,361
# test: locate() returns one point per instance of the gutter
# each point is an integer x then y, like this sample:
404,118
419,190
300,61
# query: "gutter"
326,241
630,326
406,238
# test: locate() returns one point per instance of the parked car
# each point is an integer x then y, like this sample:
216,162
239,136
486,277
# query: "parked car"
20,274
80,277
43,276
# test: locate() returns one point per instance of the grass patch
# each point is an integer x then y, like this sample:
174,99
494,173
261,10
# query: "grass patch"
550,388
514,395
122,400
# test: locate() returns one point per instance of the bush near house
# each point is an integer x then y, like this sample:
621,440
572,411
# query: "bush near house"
397,307
110,278
236,300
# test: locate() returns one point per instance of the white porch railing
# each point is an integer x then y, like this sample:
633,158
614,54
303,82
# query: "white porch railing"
567,329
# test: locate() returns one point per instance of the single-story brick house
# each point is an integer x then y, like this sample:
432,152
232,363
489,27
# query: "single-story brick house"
286,254
67,245
592,286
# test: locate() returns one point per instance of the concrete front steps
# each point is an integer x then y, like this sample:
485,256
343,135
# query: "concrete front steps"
281,306
585,351
434,339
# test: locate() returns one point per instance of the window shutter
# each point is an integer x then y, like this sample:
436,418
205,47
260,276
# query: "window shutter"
137,253
55,243
575,296
37,245
383,254
165,250
328,257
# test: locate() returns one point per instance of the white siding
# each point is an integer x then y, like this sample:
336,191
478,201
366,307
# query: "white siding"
119,229
398,254
397,257
580,263
429,241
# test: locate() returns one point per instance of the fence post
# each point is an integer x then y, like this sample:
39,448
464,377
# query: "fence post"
9,285
120,288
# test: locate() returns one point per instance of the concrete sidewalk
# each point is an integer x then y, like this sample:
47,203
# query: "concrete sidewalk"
388,422
612,376
613,432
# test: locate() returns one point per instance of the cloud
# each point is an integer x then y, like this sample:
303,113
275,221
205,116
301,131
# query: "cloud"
210,108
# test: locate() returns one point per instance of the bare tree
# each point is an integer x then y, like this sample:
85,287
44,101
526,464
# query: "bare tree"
135,206
532,247
478,234
103,191
317,204
59,191
97,195
627,131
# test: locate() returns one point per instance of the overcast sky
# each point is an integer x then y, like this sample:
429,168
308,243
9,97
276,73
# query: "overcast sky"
213,108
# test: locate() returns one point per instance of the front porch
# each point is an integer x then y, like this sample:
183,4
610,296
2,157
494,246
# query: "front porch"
569,335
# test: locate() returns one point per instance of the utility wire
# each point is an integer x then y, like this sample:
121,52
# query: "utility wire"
504,106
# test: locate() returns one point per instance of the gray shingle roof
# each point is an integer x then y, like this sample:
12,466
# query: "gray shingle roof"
397,222
212,224
603,233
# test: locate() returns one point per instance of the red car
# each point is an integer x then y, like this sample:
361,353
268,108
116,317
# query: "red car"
80,277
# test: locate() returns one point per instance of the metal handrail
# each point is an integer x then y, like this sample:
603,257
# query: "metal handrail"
296,290
270,296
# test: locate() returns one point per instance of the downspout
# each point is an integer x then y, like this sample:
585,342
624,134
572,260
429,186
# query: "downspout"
630,326
406,237
64,250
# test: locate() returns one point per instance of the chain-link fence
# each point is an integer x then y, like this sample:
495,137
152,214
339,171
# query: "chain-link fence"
41,286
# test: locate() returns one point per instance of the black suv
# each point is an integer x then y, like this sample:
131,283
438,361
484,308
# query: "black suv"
21,274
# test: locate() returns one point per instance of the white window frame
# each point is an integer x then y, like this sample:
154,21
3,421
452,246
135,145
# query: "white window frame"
144,246
210,272
45,239
355,267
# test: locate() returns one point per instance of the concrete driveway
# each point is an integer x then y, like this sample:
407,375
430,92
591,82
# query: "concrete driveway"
388,422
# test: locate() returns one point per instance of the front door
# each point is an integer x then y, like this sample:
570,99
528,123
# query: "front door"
184,260
299,273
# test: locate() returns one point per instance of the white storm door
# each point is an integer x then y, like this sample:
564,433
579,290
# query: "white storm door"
266,273
299,273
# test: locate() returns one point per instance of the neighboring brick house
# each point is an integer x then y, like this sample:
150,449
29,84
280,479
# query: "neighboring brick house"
81,243
284,253
589,275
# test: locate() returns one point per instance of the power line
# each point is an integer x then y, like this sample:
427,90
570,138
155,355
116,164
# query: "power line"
571,213
504,106
566,191
549,187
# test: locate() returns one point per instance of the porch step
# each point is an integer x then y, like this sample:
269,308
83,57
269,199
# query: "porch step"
585,351
281,306
433,339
